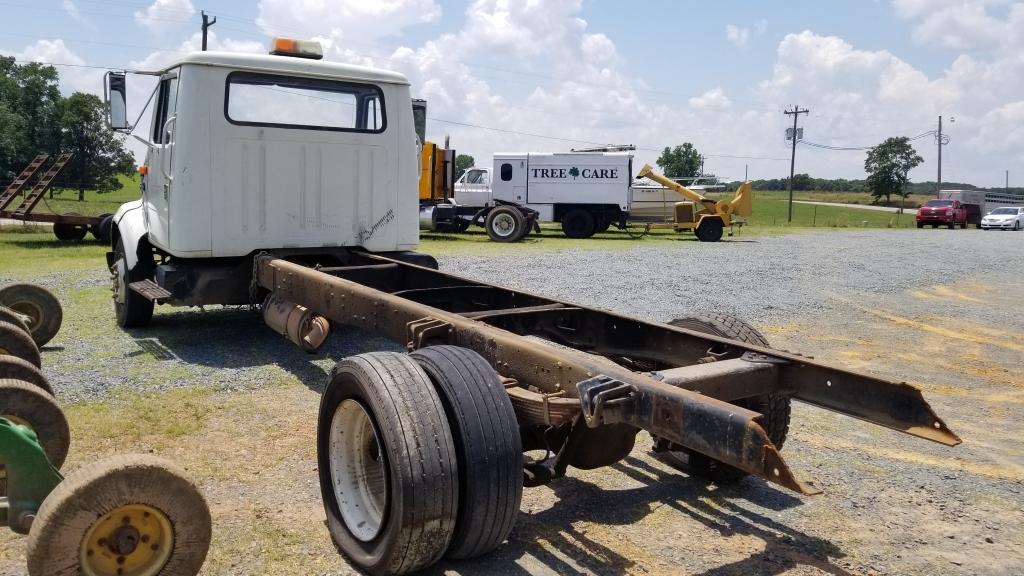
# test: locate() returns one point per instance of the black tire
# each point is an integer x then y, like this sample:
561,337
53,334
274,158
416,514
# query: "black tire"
135,311
1016,226
40,305
16,318
505,224
103,229
920,224
603,224
410,451
14,368
951,225
26,403
16,342
69,231
710,230
93,502
490,453
578,223
774,407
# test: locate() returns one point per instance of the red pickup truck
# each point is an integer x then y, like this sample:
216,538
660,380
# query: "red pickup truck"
946,212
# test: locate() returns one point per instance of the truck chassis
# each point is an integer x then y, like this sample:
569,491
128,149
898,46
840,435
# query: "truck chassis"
582,382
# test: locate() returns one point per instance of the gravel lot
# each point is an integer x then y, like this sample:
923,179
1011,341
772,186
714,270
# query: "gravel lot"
941,309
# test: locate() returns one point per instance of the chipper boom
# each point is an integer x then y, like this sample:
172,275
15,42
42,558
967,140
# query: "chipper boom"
597,375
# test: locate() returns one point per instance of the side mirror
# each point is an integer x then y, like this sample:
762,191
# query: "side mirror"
115,94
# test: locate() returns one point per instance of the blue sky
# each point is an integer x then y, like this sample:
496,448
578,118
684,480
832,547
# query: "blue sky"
648,73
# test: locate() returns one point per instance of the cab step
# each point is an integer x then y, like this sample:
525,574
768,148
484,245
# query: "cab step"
150,290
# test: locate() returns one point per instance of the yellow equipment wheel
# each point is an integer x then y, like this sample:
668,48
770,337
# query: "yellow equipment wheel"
132,515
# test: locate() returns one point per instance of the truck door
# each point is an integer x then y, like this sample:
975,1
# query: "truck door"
160,161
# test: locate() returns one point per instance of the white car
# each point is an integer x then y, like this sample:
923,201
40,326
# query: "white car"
1006,218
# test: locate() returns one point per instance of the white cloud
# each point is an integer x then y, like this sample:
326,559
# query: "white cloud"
712,99
72,79
348,20
72,10
738,36
165,14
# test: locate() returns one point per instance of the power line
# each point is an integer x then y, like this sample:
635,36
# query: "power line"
859,148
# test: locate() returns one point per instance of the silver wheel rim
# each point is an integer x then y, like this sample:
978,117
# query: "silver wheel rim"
358,472
504,225
120,286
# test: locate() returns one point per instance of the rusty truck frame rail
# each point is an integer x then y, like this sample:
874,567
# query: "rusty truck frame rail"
583,369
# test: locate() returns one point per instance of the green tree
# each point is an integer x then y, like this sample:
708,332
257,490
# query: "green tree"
29,98
680,161
463,162
887,166
100,155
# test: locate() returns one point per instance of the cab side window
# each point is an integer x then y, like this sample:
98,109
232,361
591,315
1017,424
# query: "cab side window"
506,172
166,103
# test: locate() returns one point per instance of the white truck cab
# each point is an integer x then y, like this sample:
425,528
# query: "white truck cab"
262,152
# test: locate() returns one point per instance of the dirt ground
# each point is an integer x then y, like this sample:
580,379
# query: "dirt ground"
892,504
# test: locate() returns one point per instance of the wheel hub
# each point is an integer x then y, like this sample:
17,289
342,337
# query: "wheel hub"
358,470
29,310
504,225
131,540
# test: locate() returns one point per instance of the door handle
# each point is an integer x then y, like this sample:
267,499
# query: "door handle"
168,151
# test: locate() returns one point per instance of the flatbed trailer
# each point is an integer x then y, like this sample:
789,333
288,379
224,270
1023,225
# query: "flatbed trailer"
33,185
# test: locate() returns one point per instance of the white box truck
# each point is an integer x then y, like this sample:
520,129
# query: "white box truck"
585,191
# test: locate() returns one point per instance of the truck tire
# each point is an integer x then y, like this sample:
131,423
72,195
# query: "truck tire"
101,230
131,308
952,225
710,229
16,342
920,224
44,311
505,224
774,407
69,231
487,442
14,368
131,514
28,405
578,223
387,464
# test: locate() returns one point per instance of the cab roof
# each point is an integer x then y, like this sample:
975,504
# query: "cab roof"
289,65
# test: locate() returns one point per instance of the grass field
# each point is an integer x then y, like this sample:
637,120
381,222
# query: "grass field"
66,200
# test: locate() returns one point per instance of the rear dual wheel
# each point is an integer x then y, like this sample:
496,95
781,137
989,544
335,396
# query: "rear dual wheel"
419,456
127,515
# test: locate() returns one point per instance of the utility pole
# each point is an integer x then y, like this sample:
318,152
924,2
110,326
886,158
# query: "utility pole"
206,25
938,140
1007,181
795,112
746,168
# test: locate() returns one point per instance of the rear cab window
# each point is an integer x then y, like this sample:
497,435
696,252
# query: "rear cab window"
256,99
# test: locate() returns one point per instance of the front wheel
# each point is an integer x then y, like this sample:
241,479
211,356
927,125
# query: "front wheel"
920,224
135,515
387,464
133,310
506,224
